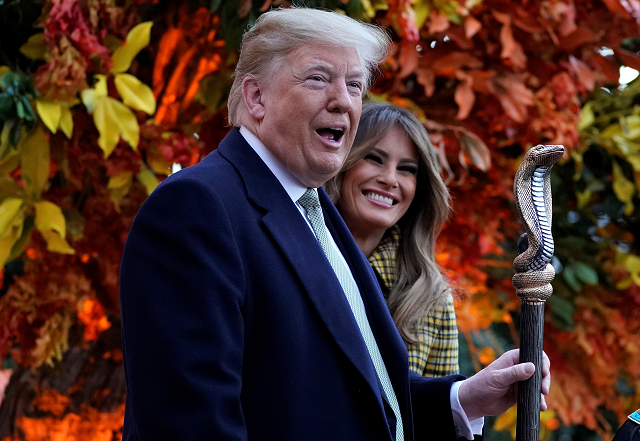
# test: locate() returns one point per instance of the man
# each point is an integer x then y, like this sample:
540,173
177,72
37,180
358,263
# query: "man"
244,316
630,429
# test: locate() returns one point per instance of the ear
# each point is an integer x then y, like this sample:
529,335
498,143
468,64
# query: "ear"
252,97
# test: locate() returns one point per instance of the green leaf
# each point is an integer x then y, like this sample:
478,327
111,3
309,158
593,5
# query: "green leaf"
562,311
7,108
585,273
569,276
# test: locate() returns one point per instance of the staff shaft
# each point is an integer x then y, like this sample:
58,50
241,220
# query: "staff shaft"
529,391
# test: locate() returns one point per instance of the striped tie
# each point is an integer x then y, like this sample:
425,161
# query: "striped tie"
310,202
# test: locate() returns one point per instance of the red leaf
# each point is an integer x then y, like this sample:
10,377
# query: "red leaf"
514,96
629,59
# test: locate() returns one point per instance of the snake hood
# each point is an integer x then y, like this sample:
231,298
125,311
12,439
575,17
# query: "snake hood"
532,191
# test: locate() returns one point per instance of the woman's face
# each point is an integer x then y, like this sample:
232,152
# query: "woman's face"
378,190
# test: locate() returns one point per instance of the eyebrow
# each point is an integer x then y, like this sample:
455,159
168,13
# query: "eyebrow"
356,73
385,155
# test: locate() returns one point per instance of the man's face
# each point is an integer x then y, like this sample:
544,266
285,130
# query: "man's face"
312,106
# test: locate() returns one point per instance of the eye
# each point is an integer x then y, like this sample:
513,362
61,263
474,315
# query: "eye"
409,169
373,158
316,78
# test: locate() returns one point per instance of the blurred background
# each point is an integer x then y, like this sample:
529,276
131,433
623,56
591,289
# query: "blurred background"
102,99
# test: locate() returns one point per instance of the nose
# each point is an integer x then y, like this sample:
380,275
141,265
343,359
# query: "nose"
388,176
340,101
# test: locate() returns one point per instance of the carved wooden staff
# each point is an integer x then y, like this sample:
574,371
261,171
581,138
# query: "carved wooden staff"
533,277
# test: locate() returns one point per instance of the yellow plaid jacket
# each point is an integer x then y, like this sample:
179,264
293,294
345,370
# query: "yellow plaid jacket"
436,352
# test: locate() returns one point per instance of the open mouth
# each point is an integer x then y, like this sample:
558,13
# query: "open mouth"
379,198
331,133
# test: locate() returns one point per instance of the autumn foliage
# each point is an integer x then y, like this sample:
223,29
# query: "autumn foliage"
100,101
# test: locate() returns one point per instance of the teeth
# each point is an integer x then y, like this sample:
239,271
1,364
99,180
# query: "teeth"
379,198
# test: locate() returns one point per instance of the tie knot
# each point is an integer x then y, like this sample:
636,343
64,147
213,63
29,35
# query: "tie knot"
309,200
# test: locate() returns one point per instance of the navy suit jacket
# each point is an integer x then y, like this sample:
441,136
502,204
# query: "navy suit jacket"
235,326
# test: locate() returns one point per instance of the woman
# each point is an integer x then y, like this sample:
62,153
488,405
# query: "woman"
394,202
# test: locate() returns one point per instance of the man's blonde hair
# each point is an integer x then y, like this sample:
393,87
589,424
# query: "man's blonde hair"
281,31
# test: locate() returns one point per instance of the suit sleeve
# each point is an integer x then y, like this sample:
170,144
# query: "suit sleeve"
182,290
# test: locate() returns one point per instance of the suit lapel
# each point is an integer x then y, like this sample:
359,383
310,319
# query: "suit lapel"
387,337
294,238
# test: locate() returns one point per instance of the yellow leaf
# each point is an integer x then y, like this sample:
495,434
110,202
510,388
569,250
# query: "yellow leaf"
113,119
35,47
4,70
583,198
623,188
35,162
9,158
90,97
635,162
611,131
49,114
507,421
624,284
9,209
52,225
632,263
148,179
587,116
631,126
57,244
422,9
135,93
66,121
120,181
119,186
137,38
11,223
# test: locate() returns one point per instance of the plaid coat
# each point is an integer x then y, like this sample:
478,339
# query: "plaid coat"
436,352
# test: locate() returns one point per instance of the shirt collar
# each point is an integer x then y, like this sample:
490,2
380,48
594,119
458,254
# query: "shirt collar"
291,184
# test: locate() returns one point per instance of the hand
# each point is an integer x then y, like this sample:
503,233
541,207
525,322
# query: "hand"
494,389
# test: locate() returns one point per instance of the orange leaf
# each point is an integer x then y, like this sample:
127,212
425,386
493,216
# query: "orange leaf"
438,22
449,64
426,77
408,59
482,81
582,72
471,26
511,49
616,7
464,96
166,49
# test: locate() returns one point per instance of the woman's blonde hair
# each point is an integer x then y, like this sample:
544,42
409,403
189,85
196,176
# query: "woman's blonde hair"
420,284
